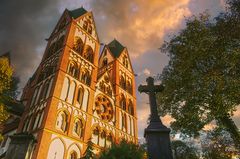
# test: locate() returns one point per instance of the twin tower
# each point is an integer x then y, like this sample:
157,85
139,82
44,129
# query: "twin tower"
81,91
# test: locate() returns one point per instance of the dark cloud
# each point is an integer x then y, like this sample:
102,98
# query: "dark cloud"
24,26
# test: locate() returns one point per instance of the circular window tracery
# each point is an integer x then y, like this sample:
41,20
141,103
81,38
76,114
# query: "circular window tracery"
104,108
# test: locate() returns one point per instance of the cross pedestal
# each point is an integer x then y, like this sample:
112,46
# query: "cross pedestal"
156,134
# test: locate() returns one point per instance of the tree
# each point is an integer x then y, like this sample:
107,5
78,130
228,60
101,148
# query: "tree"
182,151
218,145
8,89
123,150
6,72
89,154
202,81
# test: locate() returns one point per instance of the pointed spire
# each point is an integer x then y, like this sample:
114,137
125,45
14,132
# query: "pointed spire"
77,12
116,48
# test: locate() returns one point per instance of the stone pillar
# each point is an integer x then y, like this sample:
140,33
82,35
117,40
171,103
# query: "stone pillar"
158,141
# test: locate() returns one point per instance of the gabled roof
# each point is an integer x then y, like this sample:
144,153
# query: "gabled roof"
77,12
116,48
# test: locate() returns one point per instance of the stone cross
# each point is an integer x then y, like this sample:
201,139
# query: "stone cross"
151,90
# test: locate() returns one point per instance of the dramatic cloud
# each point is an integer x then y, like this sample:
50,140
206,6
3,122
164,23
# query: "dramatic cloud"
24,26
139,25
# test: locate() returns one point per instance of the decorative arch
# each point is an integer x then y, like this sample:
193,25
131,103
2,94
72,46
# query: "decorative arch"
34,96
62,120
123,102
109,139
65,89
124,122
85,100
73,69
122,82
78,127
130,107
80,94
56,149
71,91
96,130
102,139
88,53
129,87
78,45
59,43
74,151
85,77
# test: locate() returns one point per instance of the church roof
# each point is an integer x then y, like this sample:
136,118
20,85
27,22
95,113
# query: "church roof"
77,12
116,48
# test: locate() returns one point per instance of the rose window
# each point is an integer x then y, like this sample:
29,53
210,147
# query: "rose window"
104,108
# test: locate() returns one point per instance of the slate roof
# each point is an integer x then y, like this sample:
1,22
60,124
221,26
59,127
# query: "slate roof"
116,48
77,12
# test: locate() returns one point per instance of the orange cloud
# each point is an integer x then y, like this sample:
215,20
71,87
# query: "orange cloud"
143,24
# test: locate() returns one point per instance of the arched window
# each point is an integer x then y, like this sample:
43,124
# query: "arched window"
51,50
78,45
44,91
59,43
26,123
95,135
109,140
78,127
85,25
73,69
90,29
103,136
73,155
61,121
105,61
124,122
34,96
80,94
129,87
122,82
85,77
130,108
125,61
123,102
88,54
62,24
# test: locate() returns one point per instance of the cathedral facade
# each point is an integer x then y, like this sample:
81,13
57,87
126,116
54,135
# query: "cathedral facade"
82,91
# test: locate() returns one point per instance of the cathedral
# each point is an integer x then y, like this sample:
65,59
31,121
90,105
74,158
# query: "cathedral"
81,92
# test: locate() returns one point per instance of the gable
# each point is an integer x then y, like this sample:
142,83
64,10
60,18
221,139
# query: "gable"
105,56
86,23
62,23
124,59
104,84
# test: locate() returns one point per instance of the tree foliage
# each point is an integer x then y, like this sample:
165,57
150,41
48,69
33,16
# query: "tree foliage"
202,81
6,72
89,154
218,145
182,151
123,150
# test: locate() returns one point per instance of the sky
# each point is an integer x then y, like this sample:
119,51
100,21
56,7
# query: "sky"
140,25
